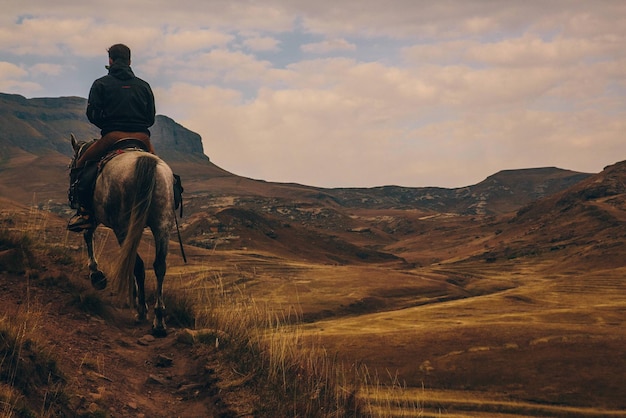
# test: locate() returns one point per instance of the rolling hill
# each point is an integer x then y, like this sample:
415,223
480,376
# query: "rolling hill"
503,298
36,151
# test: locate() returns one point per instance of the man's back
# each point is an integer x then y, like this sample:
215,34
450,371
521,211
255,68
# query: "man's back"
120,101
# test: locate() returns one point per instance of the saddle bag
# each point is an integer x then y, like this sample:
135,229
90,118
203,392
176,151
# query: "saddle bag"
82,184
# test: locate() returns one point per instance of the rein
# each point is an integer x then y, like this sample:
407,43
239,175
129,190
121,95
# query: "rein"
180,240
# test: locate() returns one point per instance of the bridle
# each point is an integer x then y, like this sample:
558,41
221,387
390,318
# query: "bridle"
81,150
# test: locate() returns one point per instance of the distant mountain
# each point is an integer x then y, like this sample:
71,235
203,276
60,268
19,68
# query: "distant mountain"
502,192
584,225
35,129
41,125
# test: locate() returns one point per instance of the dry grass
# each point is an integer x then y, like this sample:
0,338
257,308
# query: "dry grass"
292,372
31,382
387,400
293,376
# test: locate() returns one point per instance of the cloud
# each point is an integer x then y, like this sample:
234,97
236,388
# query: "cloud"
179,43
40,35
53,37
10,70
12,80
352,93
528,50
330,45
262,43
46,69
460,122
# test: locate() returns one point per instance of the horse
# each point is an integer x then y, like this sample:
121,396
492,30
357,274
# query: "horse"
134,190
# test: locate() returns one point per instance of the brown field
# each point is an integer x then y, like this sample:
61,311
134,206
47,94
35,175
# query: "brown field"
510,340
514,337
522,315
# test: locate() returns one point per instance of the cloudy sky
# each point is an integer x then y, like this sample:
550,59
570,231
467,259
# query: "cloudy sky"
338,93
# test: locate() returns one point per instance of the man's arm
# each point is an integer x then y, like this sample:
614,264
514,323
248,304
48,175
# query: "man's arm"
94,112
151,111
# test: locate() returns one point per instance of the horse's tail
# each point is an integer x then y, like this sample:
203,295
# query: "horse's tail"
145,178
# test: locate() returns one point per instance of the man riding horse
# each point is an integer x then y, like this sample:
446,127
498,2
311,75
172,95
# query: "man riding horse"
122,106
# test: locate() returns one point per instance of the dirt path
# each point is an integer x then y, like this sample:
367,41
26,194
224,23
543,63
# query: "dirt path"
112,366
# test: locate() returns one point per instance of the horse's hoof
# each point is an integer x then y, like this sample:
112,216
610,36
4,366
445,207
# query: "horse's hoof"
159,332
98,280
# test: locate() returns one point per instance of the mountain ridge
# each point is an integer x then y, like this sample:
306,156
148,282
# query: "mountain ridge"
39,126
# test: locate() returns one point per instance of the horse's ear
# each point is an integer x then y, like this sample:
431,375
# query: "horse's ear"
73,140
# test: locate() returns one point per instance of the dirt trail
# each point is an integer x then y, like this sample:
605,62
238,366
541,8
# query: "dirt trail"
113,367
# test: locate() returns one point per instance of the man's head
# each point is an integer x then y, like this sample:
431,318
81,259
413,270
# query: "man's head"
119,52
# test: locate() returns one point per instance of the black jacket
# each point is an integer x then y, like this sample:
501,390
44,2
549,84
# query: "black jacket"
120,101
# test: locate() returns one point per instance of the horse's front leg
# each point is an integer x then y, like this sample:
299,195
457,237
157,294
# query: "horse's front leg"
140,292
98,279
158,325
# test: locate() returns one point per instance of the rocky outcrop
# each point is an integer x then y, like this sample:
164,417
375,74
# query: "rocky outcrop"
175,142
41,125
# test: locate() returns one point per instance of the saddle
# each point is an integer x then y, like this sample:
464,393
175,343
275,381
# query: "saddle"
120,147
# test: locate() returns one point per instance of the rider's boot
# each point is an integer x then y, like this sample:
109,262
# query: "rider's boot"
81,221
78,195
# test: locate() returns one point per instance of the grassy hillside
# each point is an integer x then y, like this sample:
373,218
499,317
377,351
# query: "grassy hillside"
519,315
68,350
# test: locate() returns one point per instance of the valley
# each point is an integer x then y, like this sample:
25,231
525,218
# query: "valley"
502,299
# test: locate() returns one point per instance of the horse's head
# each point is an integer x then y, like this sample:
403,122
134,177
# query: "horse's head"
79,148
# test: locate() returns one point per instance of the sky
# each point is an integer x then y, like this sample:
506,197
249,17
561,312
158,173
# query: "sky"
351,93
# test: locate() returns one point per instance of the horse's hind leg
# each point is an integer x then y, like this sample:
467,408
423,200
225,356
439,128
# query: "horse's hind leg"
98,279
140,292
158,326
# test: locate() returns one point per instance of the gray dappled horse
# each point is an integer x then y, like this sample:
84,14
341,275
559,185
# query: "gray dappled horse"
133,191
